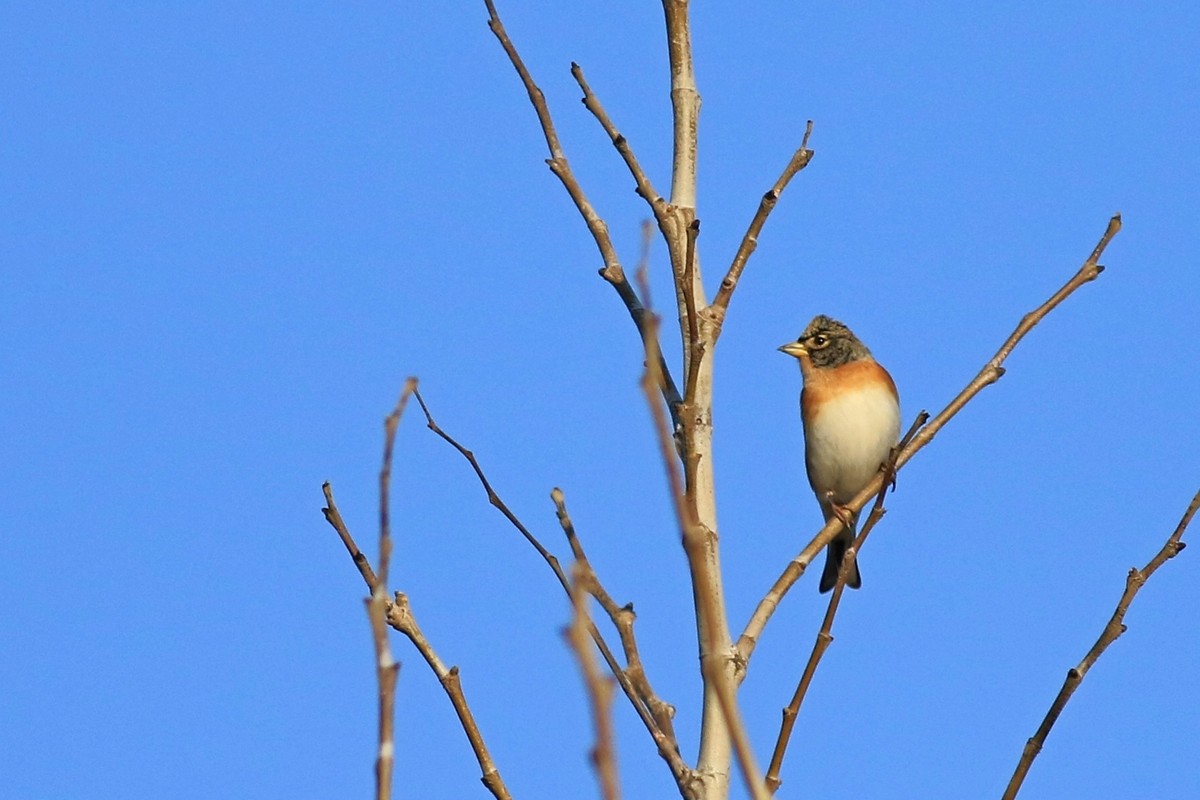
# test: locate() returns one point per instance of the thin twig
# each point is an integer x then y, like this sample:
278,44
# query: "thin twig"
749,243
1134,581
612,271
651,381
599,689
390,424
645,190
668,748
825,634
334,518
990,373
386,669
696,344
399,616
622,618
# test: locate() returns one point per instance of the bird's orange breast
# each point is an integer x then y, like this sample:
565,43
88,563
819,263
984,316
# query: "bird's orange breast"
851,420
822,385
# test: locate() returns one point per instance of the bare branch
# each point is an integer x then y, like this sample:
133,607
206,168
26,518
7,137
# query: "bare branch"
612,271
698,542
668,748
386,669
825,634
599,690
390,424
622,618
1134,581
494,498
334,518
990,373
651,382
749,243
698,514
727,698
696,346
399,616
685,104
658,206
536,97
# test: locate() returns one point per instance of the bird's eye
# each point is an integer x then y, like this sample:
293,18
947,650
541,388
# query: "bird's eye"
819,340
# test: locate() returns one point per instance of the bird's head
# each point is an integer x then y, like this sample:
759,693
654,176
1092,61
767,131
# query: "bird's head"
826,343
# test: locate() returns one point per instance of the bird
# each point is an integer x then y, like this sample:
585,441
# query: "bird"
850,411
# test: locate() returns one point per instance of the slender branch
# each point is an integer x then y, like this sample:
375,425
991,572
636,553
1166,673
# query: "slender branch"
670,392
697,345
825,634
386,669
399,616
390,424
599,690
612,271
622,618
334,518
1134,581
749,243
494,498
685,119
645,190
536,97
990,373
651,382
668,748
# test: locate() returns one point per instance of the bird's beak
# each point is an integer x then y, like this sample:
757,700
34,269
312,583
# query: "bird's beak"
794,349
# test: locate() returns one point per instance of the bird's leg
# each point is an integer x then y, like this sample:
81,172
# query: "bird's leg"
843,513
889,468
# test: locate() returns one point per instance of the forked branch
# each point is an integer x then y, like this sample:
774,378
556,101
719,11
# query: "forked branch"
599,689
825,634
398,615
654,713
622,618
612,271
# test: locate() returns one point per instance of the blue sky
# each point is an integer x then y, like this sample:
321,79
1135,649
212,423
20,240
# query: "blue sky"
229,231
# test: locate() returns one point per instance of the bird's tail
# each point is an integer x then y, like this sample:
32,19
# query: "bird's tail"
834,554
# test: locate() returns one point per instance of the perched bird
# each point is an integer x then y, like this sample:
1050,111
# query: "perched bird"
851,416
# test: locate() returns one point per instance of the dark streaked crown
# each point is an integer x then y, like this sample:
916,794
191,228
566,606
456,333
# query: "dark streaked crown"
830,343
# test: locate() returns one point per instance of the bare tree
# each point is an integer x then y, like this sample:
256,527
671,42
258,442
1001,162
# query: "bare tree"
680,398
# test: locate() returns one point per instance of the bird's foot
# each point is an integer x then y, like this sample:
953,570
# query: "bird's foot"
844,513
889,468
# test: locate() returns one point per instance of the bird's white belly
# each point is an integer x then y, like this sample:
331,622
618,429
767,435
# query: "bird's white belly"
848,439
